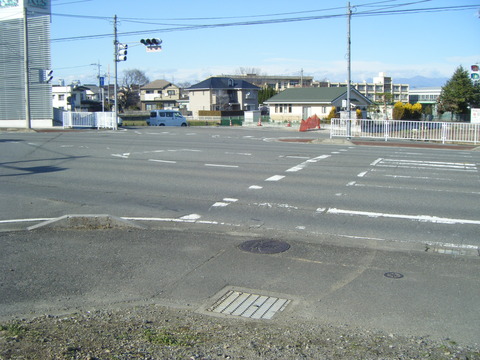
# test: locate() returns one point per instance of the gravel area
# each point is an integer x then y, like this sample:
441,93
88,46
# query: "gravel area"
156,332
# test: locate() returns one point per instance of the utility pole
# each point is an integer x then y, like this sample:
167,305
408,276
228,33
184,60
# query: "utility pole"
100,86
349,111
115,43
28,124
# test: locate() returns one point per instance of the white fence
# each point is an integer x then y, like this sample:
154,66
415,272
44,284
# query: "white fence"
104,120
406,130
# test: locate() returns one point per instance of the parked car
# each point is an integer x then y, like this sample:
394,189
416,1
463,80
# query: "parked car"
166,118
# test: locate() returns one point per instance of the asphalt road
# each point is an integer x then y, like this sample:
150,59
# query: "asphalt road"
380,237
248,178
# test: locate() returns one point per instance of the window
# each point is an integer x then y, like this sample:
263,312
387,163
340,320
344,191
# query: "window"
170,92
61,97
153,114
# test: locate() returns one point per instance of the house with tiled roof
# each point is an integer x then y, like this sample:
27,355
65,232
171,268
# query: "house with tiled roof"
159,94
223,94
300,103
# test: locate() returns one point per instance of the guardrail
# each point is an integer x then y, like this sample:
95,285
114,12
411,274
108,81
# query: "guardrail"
406,130
104,120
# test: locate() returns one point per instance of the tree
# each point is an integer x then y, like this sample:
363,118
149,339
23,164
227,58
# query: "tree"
459,94
265,93
398,111
416,111
359,113
333,114
132,81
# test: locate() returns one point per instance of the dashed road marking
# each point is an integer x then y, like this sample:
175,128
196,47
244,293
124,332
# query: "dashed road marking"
222,165
275,178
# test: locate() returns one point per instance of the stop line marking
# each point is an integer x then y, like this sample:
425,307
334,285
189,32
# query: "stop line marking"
420,218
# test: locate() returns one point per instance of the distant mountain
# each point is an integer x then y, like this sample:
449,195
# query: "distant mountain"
421,81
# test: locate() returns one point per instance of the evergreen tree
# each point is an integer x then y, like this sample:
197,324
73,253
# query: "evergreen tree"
265,94
459,94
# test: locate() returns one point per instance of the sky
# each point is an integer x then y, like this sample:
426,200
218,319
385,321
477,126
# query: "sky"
203,38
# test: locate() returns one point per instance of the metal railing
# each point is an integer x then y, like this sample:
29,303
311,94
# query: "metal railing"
104,120
406,130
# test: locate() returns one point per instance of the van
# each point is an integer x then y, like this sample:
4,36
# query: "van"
166,118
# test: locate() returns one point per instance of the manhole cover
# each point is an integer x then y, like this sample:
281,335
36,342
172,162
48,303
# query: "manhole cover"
393,275
264,246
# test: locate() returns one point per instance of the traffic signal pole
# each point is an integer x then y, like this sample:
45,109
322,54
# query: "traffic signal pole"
115,43
349,71
28,123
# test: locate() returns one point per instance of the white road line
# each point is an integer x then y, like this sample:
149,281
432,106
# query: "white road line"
376,162
275,178
418,177
415,189
223,166
163,161
124,155
302,166
242,154
420,218
362,174
24,220
255,187
220,204
191,217
225,202
296,168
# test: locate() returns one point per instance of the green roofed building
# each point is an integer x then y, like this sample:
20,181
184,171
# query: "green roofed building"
300,103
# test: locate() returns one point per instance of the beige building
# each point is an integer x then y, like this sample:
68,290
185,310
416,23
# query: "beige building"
279,83
376,90
223,94
159,94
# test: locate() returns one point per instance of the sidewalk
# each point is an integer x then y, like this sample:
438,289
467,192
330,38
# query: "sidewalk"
51,271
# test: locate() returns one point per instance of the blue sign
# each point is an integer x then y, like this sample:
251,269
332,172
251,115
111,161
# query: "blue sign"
102,81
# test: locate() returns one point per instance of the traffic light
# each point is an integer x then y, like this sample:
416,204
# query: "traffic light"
47,75
151,42
121,52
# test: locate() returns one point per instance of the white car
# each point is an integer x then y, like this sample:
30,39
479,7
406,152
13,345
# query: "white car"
166,118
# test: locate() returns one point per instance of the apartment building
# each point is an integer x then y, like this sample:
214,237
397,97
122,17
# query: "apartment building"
376,90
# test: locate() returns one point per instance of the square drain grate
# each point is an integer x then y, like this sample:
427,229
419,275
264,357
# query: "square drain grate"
253,306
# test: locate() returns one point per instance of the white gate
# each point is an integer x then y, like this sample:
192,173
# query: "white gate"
104,120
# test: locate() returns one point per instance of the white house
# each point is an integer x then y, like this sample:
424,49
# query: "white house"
300,103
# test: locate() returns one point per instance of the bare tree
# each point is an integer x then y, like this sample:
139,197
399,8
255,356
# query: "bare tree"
132,81
248,71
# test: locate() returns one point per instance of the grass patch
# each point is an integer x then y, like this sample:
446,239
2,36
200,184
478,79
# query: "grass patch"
13,330
180,337
134,123
203,123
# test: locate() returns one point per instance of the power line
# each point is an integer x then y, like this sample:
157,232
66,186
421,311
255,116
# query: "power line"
181,27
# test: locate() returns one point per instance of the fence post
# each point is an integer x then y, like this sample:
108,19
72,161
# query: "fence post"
444,132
